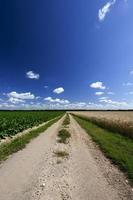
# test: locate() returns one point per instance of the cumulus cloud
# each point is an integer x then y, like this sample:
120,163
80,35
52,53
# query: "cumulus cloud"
50,103
15,100
98,85
99,93
60,101
58,90
24,96
32,75
7,105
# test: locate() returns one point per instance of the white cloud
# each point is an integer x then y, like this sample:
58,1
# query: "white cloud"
7,105
98,85
105,9
104,103
38,97
32,75
48,99
99,93
103,98
51,100
15,100
24,96
116,103
58,90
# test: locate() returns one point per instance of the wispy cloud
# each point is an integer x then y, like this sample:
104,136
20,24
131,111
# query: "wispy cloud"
105,9
45,86
32,75
112,93
99,93
103,98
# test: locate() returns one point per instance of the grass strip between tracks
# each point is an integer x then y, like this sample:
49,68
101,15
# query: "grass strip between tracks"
115,146
63,136
19,143
66,121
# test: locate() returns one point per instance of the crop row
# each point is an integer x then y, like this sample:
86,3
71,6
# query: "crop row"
12,122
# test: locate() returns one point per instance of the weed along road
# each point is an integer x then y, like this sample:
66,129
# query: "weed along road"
62,163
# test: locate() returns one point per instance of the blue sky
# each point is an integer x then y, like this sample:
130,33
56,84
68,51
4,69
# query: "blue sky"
66,54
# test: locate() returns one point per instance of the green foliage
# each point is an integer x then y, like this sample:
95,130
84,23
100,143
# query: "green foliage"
66,120
20,142
123,127
115,146
12,122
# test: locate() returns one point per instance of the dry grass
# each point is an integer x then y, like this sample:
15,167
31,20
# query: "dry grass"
61,153
119,122
115,146
59,162
63,135
110,115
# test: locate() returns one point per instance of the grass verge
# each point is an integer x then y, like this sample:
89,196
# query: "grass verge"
117,126
115,146
66,121
19,143
63,136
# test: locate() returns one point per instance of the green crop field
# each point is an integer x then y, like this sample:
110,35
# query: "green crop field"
13,122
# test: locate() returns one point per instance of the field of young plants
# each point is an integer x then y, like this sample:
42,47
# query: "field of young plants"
13,122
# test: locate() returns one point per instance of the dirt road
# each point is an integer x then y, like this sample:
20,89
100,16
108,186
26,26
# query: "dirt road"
37,173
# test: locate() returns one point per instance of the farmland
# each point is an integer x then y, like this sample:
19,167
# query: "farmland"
110,115
13,122
63,162
116,121
113,132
